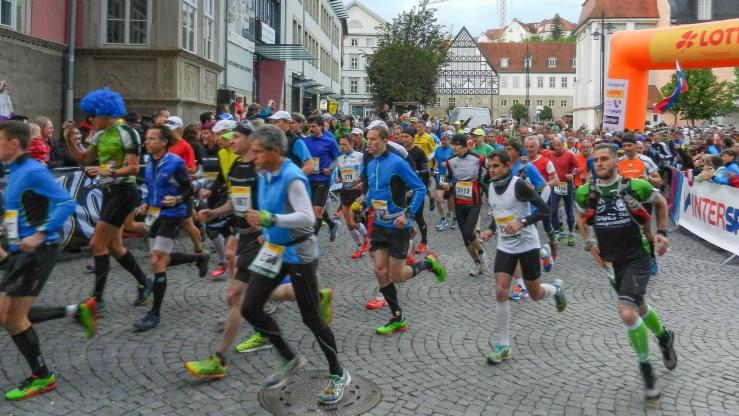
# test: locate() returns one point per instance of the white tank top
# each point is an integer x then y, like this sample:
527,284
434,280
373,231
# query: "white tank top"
507,209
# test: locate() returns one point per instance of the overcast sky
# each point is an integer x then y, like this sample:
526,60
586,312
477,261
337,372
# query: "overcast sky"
480,15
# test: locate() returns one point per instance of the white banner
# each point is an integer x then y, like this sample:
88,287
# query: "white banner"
614,103
710,211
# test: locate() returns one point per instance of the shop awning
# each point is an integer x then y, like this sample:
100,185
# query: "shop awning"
284,53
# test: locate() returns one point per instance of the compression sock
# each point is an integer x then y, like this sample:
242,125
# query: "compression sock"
160,286
45,313
652,321
219,244
102,269
175,259
29,346
391,297
128,261
639,339
503,316
362,230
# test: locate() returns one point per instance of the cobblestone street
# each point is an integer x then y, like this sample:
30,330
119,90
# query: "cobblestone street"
578,362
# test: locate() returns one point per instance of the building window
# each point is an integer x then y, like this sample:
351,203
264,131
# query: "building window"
188,25
539,103
563,103
514,102
354,62
126,21
504,103
527,102
208,29
208,8
527,62
297,33
516,82
355,42
452,102
552,82
467,102
552,63
564,82
367,86
437,102
7,13
503,82
370,42
574,62
551,103
353,86
504,62
703,10
539,82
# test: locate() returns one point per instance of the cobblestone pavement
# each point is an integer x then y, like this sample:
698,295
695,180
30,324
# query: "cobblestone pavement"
578,362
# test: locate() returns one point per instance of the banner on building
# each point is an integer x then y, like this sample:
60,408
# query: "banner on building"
241,23
614,104
708,210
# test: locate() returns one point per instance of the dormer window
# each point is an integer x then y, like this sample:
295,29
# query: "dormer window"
552,62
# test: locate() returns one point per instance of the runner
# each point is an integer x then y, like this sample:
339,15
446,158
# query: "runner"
510,201
419,162
479,147
243,196
36,208
349,166
612,205
567,168
389,178
441,176
117,148
549,173
290,247
169,188
465,173
324,151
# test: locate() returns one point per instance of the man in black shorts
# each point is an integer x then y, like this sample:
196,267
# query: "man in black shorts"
36,208
324,151
168,183
510,200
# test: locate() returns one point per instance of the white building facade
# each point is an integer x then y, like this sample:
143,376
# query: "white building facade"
364,27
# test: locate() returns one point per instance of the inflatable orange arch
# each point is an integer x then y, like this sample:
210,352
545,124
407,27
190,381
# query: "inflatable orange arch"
634,53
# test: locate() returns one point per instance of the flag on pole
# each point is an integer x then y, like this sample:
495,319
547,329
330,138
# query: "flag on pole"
681,87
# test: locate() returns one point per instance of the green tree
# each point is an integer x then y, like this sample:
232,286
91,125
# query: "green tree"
546,114
557,31
533,39
735,84
410,53
519,112
705,99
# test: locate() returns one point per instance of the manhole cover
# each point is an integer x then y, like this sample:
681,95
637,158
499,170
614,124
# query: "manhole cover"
299,396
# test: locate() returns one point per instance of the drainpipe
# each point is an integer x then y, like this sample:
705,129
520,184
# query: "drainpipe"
225,43
69,91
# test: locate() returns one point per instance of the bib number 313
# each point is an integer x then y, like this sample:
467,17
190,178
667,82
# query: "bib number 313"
269,260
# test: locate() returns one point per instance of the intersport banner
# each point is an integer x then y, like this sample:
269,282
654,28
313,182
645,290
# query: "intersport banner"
708,210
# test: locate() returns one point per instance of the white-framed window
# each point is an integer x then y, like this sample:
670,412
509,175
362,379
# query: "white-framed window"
208,29
437,102
539,82
467,102
189,25
527,62
527,102
552,82
354,62
504,103
563,103
563,82
539,103
353,86
703,9
354,42
552,62
515,101
655,118
208,8
574,62
125,21
370,42
503,82
504,62
452,102
516,82
367,86
551,103
7,13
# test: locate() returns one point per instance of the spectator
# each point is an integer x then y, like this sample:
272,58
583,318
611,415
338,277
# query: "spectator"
207,117
191,134
38,149
252,112
6,107
729,175
239,108
268,110
712,165
223,113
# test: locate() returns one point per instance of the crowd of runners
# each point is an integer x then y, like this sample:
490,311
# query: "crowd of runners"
260,191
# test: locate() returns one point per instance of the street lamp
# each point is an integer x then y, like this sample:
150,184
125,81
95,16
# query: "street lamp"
600,34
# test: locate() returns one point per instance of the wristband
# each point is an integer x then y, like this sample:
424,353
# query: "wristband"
266,219
663,232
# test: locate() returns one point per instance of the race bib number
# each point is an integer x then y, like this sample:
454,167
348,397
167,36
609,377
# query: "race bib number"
348,175
241,199
10,221
152,214
501,222
316,165
380,207
463,190
211,176
561,189
269,260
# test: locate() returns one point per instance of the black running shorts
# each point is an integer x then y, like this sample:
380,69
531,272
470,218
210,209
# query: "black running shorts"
27,272
529,260
118,201
394,240
632,277
319,194
348,196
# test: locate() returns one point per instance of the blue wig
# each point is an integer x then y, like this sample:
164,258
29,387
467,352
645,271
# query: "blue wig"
103,102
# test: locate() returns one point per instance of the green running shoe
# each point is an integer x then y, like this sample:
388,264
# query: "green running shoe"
571,240
255,342
395,325
33,386
324,305
210,367
436,267
86,317
500,353
559,298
